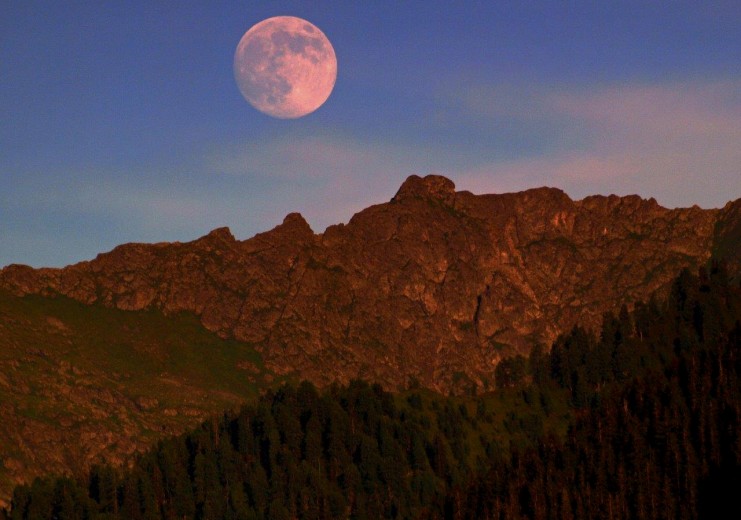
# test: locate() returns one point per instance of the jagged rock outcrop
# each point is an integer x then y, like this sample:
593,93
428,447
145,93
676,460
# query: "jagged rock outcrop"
435,285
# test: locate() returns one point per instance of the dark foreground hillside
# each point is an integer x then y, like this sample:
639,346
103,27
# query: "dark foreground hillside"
642,422
83,384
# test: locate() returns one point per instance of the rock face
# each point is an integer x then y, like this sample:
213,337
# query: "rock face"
436,285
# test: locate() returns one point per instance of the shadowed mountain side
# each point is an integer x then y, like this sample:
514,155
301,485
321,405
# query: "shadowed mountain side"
435,285
82,384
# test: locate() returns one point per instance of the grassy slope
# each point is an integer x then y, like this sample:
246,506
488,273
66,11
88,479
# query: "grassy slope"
70,374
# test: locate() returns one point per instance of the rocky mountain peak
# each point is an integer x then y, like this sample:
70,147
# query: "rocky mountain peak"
728,233
294,227
430,186
296,221
217,240
222,234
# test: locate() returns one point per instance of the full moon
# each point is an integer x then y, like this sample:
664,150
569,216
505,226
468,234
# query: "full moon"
285,67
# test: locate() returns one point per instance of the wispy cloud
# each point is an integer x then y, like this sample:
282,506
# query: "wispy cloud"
326,178
314,158
152,207
249,187
678,142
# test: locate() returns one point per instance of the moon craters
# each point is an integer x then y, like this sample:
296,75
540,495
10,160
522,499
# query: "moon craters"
285,67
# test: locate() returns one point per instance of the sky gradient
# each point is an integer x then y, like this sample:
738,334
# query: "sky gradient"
121,121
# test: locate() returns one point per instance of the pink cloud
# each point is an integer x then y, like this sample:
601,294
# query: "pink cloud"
677,142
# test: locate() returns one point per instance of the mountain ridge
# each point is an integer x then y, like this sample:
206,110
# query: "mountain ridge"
435,285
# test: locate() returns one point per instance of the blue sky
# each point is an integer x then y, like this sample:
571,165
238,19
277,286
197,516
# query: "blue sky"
121,121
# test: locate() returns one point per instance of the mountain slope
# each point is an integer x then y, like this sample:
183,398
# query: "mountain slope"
653,409
83,384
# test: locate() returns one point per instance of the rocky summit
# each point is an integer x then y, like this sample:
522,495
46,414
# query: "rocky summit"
435,286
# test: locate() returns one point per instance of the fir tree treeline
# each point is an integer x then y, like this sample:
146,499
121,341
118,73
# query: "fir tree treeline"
658,432
655,399
348,452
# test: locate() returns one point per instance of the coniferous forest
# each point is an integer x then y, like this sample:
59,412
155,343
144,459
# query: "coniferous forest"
640,421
